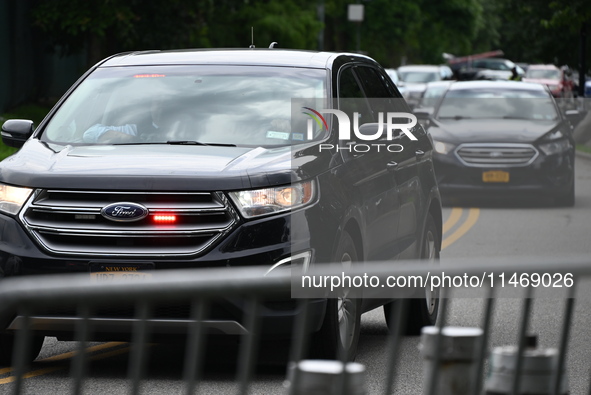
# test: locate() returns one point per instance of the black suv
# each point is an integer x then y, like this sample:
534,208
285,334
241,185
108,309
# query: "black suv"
204,158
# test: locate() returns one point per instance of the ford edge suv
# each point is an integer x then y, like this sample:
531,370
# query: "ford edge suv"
218,158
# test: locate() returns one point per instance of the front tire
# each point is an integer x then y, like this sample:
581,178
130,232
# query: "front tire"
567,200
425,310
340,330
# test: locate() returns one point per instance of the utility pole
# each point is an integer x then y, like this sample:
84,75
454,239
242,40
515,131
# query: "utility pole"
355,14
582,55
320,13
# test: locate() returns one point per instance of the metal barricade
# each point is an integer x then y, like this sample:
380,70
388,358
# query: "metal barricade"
442,347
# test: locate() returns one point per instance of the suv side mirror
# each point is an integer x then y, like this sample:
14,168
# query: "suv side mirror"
16,131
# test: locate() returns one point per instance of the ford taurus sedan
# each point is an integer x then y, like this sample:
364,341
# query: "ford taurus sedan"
502,139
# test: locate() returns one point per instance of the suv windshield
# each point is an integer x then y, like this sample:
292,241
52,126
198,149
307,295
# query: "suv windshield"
234,105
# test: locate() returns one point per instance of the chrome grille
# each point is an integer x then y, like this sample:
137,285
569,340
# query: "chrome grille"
496,155
70,222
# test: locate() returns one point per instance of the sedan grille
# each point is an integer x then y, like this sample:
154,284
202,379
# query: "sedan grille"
496,155
71,223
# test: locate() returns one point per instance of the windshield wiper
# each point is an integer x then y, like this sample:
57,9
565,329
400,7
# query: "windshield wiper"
517,117
456,117
193,142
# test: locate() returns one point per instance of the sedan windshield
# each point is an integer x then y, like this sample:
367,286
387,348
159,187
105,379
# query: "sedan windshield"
418,76
550,74
497,104
220,105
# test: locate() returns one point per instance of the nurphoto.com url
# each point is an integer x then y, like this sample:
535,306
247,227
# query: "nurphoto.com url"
332,284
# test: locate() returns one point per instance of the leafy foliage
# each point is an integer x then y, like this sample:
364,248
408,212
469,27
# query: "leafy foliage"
393,32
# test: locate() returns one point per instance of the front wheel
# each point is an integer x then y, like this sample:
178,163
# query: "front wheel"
425,310
340,330
567,200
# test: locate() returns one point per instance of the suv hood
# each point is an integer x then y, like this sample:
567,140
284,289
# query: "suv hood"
154,167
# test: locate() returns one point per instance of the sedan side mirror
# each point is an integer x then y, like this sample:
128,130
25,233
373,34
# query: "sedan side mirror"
574,117
16,131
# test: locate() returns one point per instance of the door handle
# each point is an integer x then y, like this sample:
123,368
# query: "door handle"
419,153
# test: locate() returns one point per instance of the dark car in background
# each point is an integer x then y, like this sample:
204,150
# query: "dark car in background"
191,159
502,139
486,69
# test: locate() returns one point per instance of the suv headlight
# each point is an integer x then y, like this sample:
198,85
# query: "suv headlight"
554,143
13,198
258,202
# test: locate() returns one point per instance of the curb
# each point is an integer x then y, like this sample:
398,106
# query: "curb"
583,155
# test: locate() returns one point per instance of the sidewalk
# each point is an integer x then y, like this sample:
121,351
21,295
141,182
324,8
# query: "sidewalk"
582,134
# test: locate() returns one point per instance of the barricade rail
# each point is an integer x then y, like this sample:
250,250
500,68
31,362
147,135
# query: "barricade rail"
202,286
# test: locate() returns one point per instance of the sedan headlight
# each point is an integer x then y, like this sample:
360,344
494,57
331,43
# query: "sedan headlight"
554,143
13,198
442,148
555,147
257,202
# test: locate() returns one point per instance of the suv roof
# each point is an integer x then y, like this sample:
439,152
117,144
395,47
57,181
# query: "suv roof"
263,56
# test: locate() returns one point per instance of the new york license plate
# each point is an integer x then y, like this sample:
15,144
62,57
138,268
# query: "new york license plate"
109,272
495,176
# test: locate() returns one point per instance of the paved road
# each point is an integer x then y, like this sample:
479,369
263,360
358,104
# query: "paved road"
492,231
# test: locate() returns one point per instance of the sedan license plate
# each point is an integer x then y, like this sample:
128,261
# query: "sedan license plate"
110,272
495,176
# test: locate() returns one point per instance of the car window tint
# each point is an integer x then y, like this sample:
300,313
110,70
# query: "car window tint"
381,98
352,98
372,83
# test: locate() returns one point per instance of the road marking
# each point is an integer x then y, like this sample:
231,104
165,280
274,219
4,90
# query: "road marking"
70,354
454,216
33,373
110,354
473,215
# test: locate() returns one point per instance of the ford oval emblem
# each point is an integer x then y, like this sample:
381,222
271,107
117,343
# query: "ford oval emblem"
124,212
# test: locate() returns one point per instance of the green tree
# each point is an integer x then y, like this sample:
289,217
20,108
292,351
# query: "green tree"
104,27
538,31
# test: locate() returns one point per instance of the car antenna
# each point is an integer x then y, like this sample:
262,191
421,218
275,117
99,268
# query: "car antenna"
251,37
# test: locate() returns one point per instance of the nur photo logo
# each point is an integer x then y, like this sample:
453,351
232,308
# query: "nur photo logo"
374,131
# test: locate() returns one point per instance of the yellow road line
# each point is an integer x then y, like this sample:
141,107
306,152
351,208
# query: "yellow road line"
33,373
66,355
70,354
110,354
473,215
454,216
